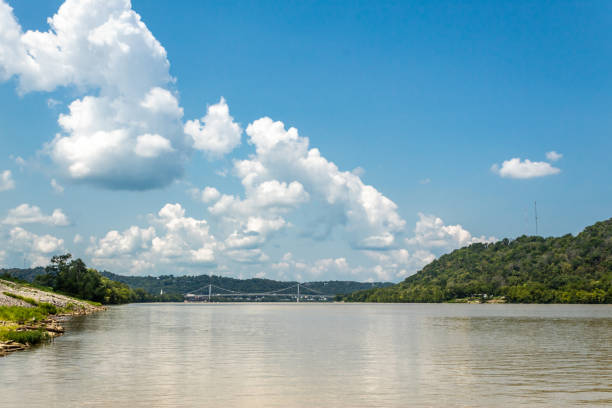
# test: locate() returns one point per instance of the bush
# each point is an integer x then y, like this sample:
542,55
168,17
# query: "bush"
48,308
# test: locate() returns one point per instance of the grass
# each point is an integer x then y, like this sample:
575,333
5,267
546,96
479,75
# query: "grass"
20,314
27,336
44,307
25,299
6,329
16,315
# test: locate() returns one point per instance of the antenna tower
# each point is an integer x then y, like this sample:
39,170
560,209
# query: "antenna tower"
535,208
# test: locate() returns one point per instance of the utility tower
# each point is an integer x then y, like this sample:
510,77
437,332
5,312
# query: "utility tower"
535,208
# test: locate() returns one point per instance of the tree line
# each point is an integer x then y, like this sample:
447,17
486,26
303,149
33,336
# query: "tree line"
72,277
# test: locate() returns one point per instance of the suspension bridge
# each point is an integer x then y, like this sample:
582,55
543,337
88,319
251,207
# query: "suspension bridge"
210,293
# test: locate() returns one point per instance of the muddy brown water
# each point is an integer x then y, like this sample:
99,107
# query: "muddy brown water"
320,355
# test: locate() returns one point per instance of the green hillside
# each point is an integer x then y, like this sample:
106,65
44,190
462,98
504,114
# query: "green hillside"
529,269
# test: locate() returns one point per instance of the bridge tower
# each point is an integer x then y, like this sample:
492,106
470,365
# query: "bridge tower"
209,291
298,293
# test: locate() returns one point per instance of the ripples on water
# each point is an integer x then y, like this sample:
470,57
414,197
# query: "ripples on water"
317,355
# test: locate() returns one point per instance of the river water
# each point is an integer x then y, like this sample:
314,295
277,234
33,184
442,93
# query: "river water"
320,355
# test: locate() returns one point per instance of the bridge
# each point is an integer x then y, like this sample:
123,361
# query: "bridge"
297,291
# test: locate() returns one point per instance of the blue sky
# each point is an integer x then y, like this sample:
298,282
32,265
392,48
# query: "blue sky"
434,123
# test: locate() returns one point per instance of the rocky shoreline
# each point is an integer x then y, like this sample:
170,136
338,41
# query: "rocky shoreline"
23,296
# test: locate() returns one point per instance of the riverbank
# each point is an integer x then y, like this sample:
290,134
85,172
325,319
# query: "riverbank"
29,315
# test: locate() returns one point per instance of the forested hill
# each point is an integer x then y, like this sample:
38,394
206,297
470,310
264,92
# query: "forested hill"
529,269
26,274
191,284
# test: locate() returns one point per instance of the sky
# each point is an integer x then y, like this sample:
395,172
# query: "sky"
297,140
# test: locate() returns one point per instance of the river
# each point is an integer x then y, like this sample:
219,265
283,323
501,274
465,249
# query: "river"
320,355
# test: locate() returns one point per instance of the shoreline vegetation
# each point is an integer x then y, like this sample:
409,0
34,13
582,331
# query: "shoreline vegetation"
30,315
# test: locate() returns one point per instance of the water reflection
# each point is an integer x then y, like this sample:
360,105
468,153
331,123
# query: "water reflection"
290,355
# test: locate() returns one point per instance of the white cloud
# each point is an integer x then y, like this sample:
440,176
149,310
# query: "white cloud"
518,169
210,194
56,186
207,195
399,263
187,239
553,156
247,256
217,133
270,195
152,146
6,181
127,132
31,214
431,232
172,239
254,233
285,172
130,241
37,248
289,268
78,238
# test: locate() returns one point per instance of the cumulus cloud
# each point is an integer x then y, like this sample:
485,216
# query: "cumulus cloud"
37,248
207,195
399,263
31,214
519,169
553,156
254,233
172,239
289,268
210,194
6,181
286,172
184,243
116,243
217,134
126,133
247,256
272,195
431,232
